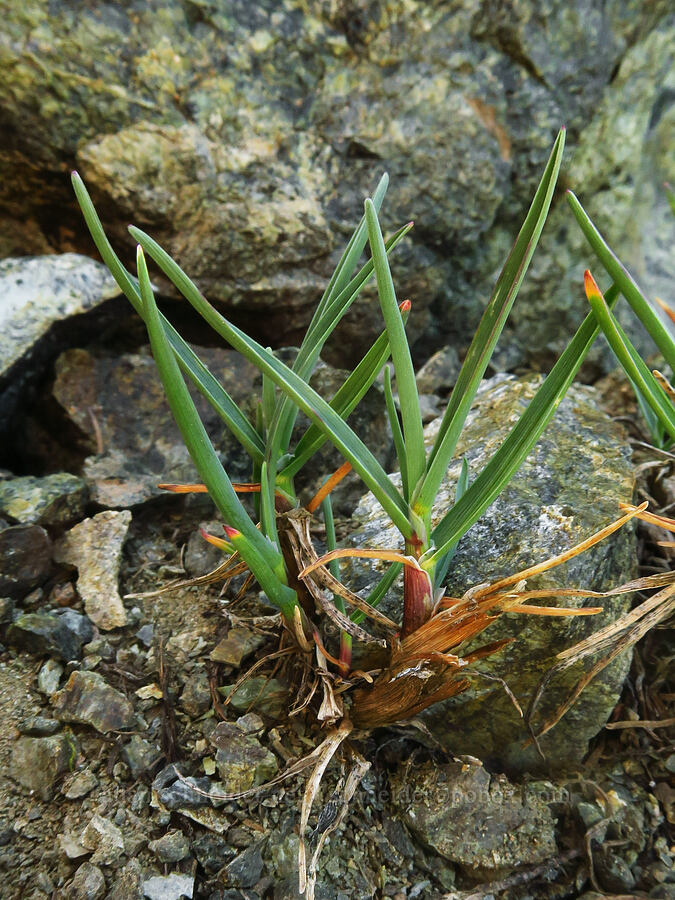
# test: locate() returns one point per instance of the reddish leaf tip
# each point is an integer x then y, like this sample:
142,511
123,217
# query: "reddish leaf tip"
590,286
231,532
405,306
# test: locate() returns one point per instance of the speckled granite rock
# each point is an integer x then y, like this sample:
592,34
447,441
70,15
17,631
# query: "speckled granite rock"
482,822
53,500
569,487
250,165
95,547
39,296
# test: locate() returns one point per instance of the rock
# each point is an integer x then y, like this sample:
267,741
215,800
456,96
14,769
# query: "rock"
268,696
195,698
39,726
171,847
140,755
169,887
239,643
569,487
49,677
88,883
128,881
42,298
254,197
25,559
212,851
6,610
174,793
95,547
38,762
200,556
52,500
135,440
79,785
482,822
241,760
105,839
439,373
77,623
245,869
45,634
89,700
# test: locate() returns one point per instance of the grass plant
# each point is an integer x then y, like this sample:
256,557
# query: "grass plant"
424,660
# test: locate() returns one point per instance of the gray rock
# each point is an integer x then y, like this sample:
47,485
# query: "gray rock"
39,726
245,870
569,487
265,175
195,697
241,760
79,785
140,755
38,762
88,883
105,839
136,452
6,610
52,500
45,634
49,677
176,794
482,822
171,847
89,700
77,623
39,295
169,887
128,882
95,547
212,851
25,559
268,696
439,373
236,646
200,556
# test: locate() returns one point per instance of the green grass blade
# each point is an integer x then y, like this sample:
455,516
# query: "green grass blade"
491,325
313,405
620,276
268,518
413,459
520,441
396,432
188,360
268,397
346,398
263,559
630,361
315,339
443,564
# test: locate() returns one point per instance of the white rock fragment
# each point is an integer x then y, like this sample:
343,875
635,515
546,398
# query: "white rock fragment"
94,546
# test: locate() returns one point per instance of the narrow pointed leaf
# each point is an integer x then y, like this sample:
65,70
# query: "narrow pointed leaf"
628,358
414,458
313,405
256,551
188,360
491,325
396,432
620,276
520,441
346,398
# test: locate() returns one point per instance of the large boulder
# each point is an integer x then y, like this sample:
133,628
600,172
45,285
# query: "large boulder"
569,487
244,140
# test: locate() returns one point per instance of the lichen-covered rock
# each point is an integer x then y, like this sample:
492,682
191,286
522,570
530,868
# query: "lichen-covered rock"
88,699
38,762
95,547
569,487
241,760
53,500
250,166
482,822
